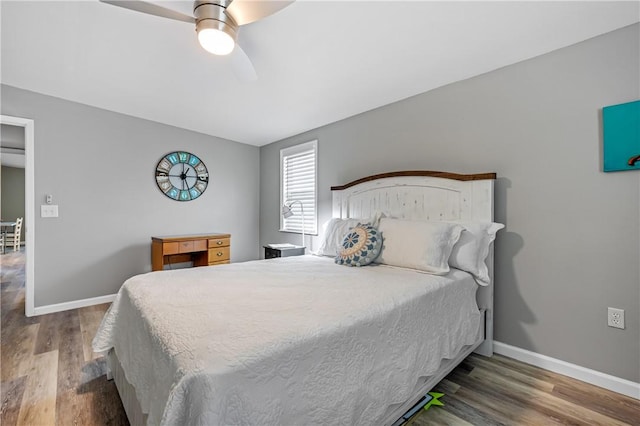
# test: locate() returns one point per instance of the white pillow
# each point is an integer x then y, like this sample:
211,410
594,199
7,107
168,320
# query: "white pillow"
334,231
472,249
421,245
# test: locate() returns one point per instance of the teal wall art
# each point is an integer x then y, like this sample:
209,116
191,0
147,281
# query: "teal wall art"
621,137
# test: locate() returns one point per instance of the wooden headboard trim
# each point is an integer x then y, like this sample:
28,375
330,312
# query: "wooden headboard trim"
444,175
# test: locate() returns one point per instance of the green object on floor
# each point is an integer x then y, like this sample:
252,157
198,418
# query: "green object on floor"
431,398
434,400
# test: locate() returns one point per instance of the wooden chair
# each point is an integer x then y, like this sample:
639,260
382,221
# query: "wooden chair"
13,238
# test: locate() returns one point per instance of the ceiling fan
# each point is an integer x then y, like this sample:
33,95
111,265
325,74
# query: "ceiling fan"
217,23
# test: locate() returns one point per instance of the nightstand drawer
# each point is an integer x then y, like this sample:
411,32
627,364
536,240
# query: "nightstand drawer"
199,245
219,242
219,254
270,253
170,248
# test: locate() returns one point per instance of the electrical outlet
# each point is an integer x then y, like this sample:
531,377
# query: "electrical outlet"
615,317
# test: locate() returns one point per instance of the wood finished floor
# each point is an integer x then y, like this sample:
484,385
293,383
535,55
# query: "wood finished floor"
50,376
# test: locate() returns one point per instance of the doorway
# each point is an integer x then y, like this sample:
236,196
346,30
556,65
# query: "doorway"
27,126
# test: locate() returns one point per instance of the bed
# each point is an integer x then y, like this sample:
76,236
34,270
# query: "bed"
302,340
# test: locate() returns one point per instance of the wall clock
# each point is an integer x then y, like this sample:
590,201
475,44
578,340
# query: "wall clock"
181,176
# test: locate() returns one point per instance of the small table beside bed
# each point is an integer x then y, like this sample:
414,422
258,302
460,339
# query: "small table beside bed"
303,340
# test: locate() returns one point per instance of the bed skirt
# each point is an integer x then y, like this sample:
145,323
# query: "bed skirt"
138,418
126,391
425,384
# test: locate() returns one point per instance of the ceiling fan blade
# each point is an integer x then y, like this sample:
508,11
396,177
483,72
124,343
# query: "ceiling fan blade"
248,11
242,66
151,9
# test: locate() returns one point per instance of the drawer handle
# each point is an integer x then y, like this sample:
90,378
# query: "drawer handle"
219,254
219,243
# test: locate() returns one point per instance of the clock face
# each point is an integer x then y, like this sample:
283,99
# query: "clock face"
181,176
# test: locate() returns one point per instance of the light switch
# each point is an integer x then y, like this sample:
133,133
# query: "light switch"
50,210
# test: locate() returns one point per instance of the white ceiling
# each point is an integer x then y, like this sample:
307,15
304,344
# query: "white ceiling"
12,146
317,61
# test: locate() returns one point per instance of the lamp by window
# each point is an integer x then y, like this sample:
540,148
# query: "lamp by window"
287,213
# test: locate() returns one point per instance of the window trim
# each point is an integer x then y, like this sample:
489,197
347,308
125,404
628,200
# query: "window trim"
292,150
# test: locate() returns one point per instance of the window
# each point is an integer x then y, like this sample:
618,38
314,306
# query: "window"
298,187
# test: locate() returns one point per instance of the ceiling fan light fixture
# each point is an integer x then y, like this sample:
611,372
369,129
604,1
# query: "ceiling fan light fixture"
216,41
216,31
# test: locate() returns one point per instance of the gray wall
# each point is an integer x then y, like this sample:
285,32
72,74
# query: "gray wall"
99,166
571,244
12,190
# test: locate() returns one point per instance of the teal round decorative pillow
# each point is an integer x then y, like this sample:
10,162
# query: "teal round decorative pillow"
360,246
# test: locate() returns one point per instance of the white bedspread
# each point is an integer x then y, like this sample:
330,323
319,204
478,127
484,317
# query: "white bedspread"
287,341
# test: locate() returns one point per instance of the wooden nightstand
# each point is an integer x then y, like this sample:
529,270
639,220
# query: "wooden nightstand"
201,249
271,252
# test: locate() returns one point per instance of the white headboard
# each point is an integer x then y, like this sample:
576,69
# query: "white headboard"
425,195
417,195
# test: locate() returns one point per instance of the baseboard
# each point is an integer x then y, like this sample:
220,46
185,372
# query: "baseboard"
75,304
607,381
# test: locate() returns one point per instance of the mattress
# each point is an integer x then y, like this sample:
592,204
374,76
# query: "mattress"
285,341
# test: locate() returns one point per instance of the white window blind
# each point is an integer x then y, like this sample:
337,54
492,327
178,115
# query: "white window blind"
298,183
